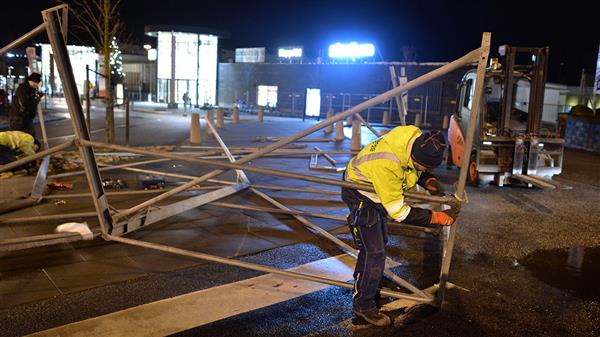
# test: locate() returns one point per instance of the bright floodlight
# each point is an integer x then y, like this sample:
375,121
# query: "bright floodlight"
351,50
290,52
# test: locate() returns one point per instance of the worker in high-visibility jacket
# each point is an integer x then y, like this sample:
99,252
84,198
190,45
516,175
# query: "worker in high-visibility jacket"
392,164
16,145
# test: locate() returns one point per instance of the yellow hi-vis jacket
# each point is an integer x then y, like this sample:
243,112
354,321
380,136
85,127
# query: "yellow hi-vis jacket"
18,140
386,165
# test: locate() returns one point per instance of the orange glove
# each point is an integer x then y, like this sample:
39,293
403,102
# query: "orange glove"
441,218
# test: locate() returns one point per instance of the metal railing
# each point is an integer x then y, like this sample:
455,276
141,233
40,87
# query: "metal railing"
427,102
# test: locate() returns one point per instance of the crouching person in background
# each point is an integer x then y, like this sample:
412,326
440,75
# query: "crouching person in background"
15,145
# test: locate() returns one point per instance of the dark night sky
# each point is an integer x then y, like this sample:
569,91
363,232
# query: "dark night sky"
440,30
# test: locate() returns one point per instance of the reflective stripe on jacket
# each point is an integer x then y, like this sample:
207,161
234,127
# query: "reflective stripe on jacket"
387,166
18,140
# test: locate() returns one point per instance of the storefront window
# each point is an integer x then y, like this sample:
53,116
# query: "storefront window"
195,67
267,96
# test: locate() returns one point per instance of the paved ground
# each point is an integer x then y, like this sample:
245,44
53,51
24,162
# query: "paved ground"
499,230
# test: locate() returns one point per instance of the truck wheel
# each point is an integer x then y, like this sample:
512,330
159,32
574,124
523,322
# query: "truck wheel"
473,174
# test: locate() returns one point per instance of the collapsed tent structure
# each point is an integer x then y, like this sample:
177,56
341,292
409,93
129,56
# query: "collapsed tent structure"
116,224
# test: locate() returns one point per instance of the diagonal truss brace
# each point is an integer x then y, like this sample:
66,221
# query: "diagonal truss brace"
316,229
154,215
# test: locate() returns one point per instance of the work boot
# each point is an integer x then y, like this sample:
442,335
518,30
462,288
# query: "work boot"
374,317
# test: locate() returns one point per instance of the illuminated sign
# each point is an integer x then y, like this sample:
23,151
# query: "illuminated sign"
249,55
290,52
313,102
351,50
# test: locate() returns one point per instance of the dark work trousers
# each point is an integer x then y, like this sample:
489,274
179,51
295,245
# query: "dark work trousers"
7,155
368,225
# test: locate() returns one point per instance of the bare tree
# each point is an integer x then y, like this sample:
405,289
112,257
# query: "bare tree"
100,20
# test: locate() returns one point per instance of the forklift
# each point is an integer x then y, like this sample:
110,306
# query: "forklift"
512,145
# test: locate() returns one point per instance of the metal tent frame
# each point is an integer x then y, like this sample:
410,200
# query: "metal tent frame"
116,224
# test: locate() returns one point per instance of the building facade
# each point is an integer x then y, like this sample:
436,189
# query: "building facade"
80,56
186,63
285,87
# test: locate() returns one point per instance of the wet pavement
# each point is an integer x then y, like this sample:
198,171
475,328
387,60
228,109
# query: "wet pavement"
574,270
513,246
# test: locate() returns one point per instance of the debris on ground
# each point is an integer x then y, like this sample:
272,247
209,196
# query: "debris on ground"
5,175
152,182
76,227
314,163
60,202
69,161
60,186
114,184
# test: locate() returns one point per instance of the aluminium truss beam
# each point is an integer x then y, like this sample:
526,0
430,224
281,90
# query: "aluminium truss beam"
32,33
238,166
254,266
63,63
154,215
469,58
316,229
479,90
347,248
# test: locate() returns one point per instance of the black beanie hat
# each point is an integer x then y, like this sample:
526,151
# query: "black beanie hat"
428,149
35,77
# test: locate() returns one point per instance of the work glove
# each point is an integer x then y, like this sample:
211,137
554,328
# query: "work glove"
434,186
441,218
454,210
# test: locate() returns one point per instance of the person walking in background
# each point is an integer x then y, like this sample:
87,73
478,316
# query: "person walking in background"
186,101
24,105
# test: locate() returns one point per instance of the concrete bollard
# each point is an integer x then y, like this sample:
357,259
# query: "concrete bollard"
220,118
445,122
329,129
418,120
210,116
339,131
260,114
386,118
235,115
195,136
356,141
